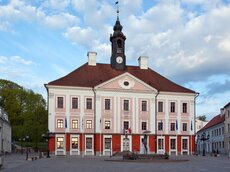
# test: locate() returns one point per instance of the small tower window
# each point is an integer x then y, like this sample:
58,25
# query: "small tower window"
119,43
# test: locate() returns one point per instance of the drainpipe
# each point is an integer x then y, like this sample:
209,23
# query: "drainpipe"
95,97
194,122
158,92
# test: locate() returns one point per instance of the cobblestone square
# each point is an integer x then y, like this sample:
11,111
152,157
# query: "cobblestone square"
17,163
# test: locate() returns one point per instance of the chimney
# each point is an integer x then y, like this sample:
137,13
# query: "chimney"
92,58
221,111
143,62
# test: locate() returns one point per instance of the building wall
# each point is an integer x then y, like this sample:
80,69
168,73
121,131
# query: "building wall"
200,124
117,93
5,133
216,139
227,129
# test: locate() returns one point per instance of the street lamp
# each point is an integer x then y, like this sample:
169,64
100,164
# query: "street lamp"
204,138
47,137
27,153
197,145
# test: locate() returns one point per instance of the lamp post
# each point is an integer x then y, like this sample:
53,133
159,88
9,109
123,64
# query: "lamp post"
27,152
47,136
204,138
197,145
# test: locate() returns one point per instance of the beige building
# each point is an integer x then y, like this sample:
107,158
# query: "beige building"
5,133
226,111
200,124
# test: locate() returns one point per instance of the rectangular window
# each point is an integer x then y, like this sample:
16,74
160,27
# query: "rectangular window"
107,104
60,102
74,142
160,106
184,144
172,126
107,143
74,103
144,106
184,126
74,124
160,144
172,107
126,125
144,125
126,105
89,144
60,123
60,143
184,106
228,113
89,102
172,143
160,126
107,125
228,128
88,124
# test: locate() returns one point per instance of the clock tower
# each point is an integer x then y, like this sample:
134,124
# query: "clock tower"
117,39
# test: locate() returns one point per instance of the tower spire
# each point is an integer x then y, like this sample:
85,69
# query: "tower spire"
117,3
118,58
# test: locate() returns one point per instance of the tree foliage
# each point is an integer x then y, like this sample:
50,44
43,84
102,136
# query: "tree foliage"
26,110
202,118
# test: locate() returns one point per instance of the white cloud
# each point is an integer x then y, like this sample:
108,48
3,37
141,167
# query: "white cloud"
20,60
22,11
3,60
62,20
225,45
82,36
15,60
56,4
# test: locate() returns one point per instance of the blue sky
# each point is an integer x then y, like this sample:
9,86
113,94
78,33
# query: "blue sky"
187,41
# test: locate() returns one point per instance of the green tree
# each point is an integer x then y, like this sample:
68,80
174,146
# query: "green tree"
26,110
202,118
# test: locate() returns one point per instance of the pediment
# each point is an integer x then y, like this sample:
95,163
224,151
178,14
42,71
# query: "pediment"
126,82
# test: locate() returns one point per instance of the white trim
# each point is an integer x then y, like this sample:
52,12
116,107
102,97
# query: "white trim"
60,151
107,152
130,142
129,75
161,151
188,144
173,150
89,151
74,151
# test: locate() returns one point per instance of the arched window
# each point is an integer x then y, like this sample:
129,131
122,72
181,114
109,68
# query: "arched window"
119,43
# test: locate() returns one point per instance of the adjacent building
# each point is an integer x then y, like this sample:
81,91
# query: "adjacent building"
213,131
200,124
5,133
226,111
102,109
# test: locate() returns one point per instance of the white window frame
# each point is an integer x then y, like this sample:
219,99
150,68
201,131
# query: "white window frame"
107,152
172,150
63,150
74,151
89,151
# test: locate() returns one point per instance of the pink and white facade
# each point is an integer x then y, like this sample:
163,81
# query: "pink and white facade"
99,109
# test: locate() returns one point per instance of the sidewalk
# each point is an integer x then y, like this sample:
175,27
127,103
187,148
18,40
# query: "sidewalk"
14,160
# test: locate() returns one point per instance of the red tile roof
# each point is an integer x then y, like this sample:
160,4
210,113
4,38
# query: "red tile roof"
91,76
214,121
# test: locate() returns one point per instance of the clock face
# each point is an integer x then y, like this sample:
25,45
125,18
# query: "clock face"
119,59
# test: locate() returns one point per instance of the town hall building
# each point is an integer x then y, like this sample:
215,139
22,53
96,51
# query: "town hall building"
103,109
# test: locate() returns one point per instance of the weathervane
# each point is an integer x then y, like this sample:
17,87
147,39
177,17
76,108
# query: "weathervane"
117,3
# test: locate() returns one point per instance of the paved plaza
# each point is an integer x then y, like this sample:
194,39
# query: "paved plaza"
17,163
